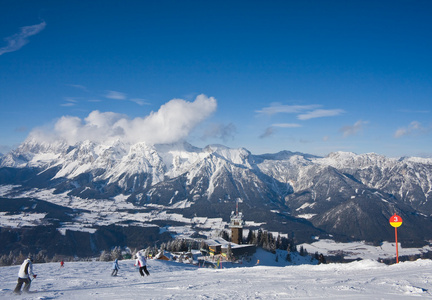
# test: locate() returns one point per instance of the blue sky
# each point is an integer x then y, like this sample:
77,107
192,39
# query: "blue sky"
308,76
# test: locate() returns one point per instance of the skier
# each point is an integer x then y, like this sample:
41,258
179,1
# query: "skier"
61,264
25,271
115,268
142,263
321,259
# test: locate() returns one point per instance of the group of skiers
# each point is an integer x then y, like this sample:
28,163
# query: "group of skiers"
26,275
141,262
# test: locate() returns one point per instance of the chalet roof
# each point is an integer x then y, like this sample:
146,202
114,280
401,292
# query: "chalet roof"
224,244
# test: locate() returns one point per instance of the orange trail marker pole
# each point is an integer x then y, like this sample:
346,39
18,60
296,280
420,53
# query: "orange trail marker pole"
396,221
397,252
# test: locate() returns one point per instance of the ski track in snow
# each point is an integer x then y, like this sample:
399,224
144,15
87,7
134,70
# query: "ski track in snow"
365,279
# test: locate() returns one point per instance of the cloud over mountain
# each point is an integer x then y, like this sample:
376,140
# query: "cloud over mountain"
172,122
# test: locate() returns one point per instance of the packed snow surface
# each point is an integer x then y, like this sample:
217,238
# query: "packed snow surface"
366,279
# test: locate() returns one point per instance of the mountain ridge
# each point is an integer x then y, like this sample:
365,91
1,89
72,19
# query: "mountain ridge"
327,196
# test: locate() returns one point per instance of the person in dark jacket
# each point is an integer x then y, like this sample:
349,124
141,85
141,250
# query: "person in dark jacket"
321,259
24,276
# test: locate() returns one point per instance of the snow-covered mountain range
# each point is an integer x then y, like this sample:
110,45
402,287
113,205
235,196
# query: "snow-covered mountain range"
344,195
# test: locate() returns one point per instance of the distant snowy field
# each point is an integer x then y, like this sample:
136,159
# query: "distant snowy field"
360,250
365,279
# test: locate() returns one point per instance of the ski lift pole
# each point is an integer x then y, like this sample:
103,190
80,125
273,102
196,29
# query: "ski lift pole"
396,221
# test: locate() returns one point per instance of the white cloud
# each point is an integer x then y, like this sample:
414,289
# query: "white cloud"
413,128
122,96
139,101
305,112
115,95
17,41
271,130
319,113
410,111
276,108
401,132
220,131
79,86
267,133
69,102
353,129
172,122
287,125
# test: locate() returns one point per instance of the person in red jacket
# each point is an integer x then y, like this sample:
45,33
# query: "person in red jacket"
24,276
142,263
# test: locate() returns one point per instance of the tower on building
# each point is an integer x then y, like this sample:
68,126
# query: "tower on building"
236,225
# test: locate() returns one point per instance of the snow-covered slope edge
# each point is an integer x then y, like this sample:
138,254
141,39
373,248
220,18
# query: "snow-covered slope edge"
358,280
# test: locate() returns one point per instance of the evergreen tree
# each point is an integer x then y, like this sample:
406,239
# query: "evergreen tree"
293,247
147,252
20,258
134,252
168,246
252,238
105,256
249,237
225,235
271,243
288,256
278,242
183,245
41,257
302,251
116,253
284,243
264,240
229,252
56,258
6,260
258,237
176,245
11,258
272,247
204,245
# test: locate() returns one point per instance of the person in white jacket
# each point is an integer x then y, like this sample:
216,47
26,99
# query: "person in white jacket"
142,263
24,276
